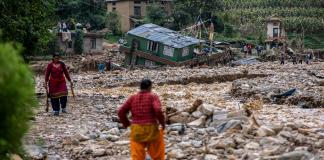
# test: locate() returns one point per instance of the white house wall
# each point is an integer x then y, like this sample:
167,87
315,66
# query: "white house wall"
270,27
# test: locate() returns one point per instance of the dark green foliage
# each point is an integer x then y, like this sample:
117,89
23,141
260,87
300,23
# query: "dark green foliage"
181,19
78,44
17,99
84,11
229,30
113,23
155,14
27,22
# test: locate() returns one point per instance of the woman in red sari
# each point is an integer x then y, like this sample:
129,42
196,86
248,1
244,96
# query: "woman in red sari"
55,84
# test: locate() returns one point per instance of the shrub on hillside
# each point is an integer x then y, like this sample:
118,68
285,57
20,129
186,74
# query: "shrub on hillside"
17,99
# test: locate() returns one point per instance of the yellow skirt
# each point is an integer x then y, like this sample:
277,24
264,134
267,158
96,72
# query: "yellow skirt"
144,133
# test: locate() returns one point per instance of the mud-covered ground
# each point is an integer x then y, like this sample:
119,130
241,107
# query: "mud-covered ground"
220,128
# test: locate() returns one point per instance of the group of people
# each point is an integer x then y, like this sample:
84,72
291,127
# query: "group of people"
247,49
147,124
308,58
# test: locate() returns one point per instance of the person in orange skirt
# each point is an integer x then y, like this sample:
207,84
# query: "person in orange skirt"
147,115
55,84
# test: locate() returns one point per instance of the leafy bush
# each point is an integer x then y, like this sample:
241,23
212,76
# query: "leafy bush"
17,99
113,23
78,44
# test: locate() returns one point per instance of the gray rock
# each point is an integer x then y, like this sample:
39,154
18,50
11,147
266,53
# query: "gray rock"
207,109
81,137
232,124
210,157
202,131
199,122
184,144
176,127
176,153
252,146
114,131
320,143
122,142
222,143
296,155
54,157
98,152
197,114
35,152
112,138
264,131
110,125
93,135
219,115
196,144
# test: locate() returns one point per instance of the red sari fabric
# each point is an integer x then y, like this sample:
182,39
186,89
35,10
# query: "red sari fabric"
55,73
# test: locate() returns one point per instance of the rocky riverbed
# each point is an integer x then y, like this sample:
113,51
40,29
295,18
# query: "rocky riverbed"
239,118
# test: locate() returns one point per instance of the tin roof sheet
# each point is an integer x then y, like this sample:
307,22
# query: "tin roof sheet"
163,35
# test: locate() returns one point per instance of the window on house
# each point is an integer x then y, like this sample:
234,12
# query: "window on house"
70,44
152,46
114,3
185,51
168,51
114,8
137,11
93,44
275,32
137,2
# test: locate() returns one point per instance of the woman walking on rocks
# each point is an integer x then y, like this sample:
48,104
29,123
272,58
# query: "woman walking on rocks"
147,114
55,84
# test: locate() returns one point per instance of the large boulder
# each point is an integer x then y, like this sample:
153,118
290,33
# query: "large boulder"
35,152
207,109
199,122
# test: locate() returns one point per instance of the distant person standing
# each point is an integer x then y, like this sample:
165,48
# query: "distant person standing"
249,49
294,58
245,50
300,59
282,59
307,59
259,49
55,84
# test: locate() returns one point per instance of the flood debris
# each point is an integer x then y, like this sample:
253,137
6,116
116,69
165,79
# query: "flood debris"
213,113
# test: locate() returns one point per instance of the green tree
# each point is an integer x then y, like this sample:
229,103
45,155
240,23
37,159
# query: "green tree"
78,44
113,22
27,22
84,11
155,14
229,30
17,99
181,19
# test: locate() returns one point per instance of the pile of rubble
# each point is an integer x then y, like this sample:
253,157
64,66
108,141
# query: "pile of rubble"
213,113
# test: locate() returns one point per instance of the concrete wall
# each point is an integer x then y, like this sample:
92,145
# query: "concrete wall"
87,45
125,9
270,27
63,47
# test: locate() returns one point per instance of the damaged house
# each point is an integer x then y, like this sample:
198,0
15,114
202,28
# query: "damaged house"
92,42
151,45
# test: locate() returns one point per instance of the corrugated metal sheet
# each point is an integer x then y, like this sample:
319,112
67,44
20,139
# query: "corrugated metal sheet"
163,35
